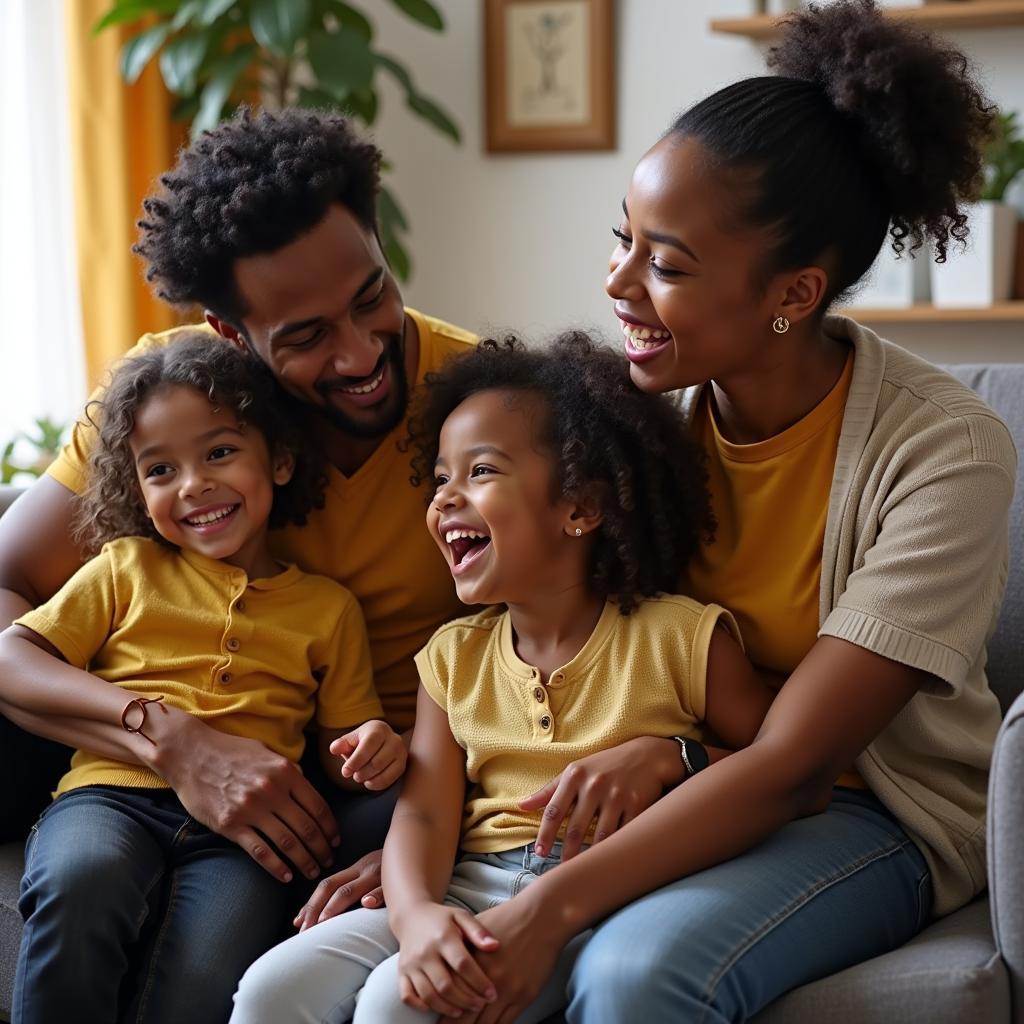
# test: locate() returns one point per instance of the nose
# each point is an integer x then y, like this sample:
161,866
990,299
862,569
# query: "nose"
623,282
356,351
446,497
193,481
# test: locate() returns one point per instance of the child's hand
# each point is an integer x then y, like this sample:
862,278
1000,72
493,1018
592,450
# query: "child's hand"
436,970
374,755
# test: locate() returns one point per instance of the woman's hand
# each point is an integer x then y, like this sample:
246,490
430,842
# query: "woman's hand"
611,787
360,882
530,940
374,755
436,970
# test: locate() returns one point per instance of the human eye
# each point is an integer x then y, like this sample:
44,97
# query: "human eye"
665,273
309,341
372,301
440,479
482,471
624,240
159,470
222,451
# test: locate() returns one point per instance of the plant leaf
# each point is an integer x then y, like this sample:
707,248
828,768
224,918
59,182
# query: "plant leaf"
180,61
137,51
348,17
398,259
132,10
217,90
396,70
430,111
185,14
213,9
279,24
316,99
389,210
363,105
422,11
341,61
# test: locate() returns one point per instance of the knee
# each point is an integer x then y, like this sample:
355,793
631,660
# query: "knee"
269,990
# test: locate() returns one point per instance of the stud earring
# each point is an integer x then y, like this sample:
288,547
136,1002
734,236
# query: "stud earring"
780,325
579,532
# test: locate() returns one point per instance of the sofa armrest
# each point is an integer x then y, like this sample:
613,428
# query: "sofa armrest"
1005,847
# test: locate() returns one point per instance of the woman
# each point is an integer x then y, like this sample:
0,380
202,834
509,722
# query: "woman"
862,498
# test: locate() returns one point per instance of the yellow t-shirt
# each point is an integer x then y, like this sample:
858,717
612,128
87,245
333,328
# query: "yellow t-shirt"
770,500
369,536
638,675
251,658
771,503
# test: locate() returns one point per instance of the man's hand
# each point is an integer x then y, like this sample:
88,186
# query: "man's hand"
246,793
436,971
359,882
611,787
374,755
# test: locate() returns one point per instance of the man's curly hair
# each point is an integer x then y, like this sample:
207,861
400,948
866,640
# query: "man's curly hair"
252,185
605,437
113,506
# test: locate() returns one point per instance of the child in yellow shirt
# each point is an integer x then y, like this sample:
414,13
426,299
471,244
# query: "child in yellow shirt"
572,502
132,907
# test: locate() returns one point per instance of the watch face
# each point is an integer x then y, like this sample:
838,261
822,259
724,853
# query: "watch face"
697,755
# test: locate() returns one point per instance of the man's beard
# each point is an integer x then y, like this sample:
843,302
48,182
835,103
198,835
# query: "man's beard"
394,405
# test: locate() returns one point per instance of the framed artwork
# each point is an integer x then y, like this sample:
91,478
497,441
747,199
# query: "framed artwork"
550,74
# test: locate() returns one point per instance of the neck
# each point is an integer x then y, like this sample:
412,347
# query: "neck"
255,559
553,628
759,403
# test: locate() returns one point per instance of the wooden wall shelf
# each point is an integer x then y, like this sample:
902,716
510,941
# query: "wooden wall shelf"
1003,312
952,15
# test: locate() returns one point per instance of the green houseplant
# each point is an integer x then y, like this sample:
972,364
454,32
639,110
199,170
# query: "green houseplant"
1004,157
316,53
45,443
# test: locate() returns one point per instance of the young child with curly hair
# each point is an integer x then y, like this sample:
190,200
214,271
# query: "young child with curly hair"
570,503
134,909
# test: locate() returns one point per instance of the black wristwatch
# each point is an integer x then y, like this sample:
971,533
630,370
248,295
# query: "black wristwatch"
694,755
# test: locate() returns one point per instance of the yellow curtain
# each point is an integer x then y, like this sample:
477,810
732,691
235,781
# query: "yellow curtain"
122,139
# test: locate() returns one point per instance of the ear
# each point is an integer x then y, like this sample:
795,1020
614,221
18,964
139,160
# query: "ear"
284,466
225,330
585,513
803,292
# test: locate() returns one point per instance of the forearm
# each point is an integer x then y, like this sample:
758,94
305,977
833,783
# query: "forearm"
12,606
727,809
417,865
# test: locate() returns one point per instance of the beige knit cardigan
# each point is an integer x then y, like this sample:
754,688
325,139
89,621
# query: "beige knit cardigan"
913,568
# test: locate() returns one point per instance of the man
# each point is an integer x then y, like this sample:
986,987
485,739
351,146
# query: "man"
268,223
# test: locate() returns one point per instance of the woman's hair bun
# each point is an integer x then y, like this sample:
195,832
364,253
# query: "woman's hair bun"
921,117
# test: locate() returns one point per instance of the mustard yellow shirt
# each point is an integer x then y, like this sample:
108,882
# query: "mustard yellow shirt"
638,675
369,536
251,658
770,500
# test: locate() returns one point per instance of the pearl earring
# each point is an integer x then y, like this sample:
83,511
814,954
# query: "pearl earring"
780,325
579,532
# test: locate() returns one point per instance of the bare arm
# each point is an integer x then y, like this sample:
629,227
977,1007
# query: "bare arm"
836,702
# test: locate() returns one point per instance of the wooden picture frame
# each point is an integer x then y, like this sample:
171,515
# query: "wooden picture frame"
550,75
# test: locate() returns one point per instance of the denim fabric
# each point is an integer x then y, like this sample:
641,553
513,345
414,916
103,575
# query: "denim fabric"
823,893
347,968
134,911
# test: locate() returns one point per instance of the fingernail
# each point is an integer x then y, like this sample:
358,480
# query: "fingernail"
370,900
541,850
491,995
287,876
336,841
313,873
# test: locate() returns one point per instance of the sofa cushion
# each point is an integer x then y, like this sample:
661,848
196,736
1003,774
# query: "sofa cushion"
1001,386
11,864
949,974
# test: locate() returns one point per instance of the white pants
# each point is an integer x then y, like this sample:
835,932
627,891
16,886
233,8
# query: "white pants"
347,968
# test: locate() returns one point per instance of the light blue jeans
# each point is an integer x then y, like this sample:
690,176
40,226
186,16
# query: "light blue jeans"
347,968
823,893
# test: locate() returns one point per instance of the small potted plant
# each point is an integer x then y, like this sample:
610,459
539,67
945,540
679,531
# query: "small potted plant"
983,273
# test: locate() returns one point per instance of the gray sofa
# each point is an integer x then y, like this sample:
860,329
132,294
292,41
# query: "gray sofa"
967,968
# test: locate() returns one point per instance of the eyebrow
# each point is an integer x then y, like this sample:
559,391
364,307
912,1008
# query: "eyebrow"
480,449
658,236
295,326
155,449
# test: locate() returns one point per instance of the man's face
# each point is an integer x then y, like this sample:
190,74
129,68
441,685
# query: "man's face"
324,313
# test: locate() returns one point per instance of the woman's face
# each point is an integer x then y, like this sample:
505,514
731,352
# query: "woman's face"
682,275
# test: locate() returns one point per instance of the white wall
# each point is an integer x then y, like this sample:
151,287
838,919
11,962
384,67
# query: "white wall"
522,241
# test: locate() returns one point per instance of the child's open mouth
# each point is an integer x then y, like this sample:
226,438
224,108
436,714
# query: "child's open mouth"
466,547
212,520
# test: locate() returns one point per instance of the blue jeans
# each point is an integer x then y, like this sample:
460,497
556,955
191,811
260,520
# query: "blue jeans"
134,911
823,893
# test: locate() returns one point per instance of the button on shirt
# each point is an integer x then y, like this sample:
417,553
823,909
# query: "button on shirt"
159,622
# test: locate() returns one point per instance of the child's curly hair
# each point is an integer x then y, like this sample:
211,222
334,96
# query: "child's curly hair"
113,506
601,431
